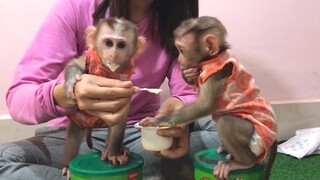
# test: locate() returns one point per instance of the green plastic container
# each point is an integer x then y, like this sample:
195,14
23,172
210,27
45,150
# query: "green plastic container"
91,167
205,160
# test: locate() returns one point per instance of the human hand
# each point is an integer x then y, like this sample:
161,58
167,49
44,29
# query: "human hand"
105,98
180,135
167,107
180,145
190,75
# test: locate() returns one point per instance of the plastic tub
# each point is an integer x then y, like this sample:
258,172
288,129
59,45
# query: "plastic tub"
151,141
205,160
91,167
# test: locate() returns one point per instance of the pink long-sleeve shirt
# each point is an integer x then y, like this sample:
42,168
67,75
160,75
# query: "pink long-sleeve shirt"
61,38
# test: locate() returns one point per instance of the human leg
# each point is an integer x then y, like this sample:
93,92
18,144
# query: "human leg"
202,136
38,157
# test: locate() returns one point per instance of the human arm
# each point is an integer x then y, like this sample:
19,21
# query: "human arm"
182,94
180,135
209,93
30,98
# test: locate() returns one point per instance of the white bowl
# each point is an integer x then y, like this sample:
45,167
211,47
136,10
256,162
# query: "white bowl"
151,141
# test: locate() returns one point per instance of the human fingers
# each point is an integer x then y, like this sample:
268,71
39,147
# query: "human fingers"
110,105
175,131
170,105
105,82
95,87
179,147
112,118
174,153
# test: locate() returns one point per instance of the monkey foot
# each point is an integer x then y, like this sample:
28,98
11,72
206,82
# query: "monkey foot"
223,168
221,149
115,158
122,159
65,172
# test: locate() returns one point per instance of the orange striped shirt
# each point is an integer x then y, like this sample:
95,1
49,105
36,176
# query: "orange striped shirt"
242,98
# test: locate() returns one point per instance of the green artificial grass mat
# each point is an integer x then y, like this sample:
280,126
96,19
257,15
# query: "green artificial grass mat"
287,167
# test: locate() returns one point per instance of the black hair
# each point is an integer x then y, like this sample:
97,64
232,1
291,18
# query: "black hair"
168,13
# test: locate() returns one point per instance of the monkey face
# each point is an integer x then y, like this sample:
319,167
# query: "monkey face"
114,47
188,55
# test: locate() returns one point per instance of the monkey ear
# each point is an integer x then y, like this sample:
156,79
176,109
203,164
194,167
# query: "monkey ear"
211,43
140,45
91,36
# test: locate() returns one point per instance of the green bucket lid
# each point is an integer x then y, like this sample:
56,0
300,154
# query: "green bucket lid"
92,165
208,158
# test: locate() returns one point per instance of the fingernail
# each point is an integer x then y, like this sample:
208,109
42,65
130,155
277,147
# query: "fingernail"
136,89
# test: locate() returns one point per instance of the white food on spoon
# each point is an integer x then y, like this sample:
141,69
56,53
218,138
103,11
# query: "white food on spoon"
151,90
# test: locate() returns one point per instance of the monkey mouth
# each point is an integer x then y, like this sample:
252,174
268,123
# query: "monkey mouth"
112,66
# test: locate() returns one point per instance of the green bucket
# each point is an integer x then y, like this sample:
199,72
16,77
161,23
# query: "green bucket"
91,167
205,160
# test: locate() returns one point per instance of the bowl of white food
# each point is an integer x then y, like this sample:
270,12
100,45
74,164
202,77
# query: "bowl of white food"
151,141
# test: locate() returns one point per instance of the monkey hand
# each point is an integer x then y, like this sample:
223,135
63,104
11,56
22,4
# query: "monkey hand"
151,121
190,75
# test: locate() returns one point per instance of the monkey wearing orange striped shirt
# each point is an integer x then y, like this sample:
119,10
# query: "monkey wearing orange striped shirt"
113,43
245,120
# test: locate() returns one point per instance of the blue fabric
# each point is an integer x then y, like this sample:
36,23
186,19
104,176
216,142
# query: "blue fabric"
40,157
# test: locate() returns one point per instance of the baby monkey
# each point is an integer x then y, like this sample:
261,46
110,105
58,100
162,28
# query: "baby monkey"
112,43
245,120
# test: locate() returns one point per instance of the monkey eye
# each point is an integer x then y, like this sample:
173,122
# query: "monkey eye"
108,43
121,45
181,51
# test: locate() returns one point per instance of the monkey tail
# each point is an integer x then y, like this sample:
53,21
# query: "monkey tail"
271,159
89,138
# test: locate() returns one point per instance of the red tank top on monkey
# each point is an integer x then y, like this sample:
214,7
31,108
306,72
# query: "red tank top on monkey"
94,66
241,98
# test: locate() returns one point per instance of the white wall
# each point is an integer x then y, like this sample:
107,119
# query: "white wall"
278,40
20,20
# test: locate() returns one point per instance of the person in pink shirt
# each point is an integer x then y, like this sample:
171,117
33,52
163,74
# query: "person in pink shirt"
36,94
